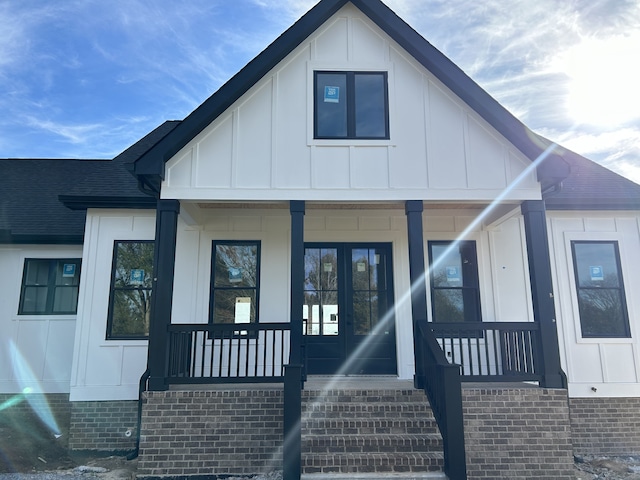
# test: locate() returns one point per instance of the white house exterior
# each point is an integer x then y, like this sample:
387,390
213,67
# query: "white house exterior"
236,175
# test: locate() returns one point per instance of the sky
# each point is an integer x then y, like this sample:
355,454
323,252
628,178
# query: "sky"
88,78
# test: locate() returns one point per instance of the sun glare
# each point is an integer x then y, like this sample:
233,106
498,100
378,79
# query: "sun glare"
604,77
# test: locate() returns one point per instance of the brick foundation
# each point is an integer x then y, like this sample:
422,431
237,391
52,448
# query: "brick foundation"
212,433
605,426
517,433
109,426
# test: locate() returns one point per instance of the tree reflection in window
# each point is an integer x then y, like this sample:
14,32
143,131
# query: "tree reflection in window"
601,297
455,290
320,310
131,290
235,282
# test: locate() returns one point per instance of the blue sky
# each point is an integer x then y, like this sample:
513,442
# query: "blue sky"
87,78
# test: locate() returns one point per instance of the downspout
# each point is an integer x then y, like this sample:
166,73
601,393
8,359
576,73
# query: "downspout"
142,388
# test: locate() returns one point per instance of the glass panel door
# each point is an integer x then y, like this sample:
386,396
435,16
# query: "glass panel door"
348,318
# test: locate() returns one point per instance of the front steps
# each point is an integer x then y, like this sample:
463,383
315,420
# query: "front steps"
356,430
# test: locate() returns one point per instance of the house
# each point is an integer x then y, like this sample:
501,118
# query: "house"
350,205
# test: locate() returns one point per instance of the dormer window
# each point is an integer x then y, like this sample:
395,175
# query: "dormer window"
351,105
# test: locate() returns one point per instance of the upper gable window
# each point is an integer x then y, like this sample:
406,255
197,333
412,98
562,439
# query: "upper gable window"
351,105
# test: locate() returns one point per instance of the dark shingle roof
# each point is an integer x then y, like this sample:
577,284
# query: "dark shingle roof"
30,190
591,186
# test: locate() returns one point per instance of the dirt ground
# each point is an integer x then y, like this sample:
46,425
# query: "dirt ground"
27,446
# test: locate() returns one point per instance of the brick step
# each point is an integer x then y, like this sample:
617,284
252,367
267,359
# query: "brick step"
375,476
320,444
366,396
368,426
372,463
363,409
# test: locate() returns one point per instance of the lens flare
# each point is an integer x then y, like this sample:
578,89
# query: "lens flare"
31,391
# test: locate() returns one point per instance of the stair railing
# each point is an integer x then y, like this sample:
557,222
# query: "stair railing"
442,385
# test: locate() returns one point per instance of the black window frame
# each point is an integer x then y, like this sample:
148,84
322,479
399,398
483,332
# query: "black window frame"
350,95
626,329
213,288
113,289
51,285
470,287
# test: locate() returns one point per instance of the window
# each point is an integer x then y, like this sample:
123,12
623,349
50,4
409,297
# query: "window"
131,289
351,105
235,275
455,292
601,298
49,286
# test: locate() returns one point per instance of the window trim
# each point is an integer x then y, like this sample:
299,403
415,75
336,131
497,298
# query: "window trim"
113,289
51,285
622,288
475,280
213,288
350,95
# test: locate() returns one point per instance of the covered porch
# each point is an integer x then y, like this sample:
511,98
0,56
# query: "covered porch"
445,353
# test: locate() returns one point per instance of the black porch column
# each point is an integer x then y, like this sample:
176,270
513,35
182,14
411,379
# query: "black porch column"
162,299
535,226
413,210
297,209
293,373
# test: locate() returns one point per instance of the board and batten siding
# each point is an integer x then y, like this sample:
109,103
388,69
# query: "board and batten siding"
596,367
35,350
106,369
262,147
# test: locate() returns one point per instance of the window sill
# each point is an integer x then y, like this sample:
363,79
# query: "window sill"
351,142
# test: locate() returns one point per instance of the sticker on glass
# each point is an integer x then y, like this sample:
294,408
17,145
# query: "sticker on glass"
597,274
136,276
235,275
361,266
331,94
453,274
69,270
328,267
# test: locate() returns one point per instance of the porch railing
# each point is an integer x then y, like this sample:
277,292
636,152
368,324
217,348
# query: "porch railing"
492,351
227,353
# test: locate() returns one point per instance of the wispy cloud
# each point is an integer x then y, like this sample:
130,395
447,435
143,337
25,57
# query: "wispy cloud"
94,76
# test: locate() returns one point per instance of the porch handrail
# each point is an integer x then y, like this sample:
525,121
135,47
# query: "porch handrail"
227,353
492,351
443,388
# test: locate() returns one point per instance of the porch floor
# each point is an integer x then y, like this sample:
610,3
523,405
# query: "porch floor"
348,382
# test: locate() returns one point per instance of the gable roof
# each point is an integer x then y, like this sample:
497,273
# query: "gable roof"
150,167
42,201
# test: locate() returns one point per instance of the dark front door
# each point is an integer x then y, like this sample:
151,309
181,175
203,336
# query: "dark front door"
349,322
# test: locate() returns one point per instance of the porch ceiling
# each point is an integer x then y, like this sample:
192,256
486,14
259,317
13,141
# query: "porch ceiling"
341,205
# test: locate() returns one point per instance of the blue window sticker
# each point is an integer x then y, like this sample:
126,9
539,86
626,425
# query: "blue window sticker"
597,274
69,270
331,94
235,275
136,277
453,274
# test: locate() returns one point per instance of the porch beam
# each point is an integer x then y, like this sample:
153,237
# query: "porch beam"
535,226
164,260
413,211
